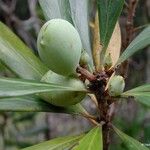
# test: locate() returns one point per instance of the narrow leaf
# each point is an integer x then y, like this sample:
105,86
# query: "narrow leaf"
109,12
140,42
130,142
50,9
57,143
141,90
17,87
80,17
18,57
141,94
34,104
65,10
56,9
92,140
145,100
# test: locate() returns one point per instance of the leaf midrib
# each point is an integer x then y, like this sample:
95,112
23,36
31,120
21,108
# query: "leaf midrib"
63,143
90,145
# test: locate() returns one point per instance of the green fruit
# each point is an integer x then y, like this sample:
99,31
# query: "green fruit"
59,46
116,85
84,59
107,61
63,98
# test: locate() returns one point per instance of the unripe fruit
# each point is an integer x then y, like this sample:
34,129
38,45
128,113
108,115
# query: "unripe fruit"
116,85
59,46
85,58
63,98
107,61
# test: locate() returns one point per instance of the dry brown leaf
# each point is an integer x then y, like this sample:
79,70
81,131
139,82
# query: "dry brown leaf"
114,46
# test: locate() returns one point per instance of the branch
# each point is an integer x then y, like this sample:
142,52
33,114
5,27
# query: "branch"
129,32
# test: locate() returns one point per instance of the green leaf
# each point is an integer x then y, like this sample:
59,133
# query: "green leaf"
141,94
50,9
56,9
145,100
140,42
34,104
80,17
92,140
65,10
17,87
18,57
2,67
60,143
109,12
130,142
141,90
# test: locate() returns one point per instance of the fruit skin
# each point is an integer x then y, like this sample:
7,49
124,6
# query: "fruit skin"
63,98
59,46
108,61
116,85
84,59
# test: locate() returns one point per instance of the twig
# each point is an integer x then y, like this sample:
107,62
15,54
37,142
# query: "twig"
91,118
129,24
104,108
85,73
92,121
93,98
20,26
32,8
129,32
47,132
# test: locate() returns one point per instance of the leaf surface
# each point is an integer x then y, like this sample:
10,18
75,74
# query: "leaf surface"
140,42
34,104
92,140
80,17
18,57
56,9
60,143
18,87
109,12
145,100
130,142
141,90
141,94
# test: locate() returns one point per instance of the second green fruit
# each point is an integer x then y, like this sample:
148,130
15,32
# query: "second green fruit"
63,98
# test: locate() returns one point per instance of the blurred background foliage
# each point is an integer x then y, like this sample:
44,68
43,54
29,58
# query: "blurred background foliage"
19,129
